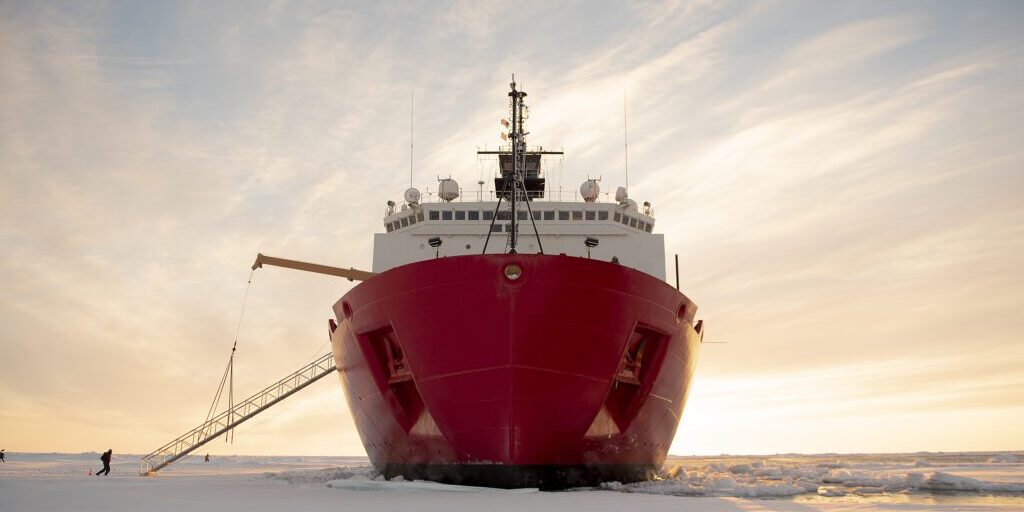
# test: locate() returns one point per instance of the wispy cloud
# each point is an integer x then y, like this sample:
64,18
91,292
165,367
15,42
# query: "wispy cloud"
841,186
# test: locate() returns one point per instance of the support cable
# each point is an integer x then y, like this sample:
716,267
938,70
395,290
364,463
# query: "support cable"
228,377
532,221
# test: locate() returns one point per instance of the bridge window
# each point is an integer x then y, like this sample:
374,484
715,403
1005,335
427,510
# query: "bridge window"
549,215
563,215
419,216
434,215
405,221
446,215
488,215
536,215
649,227
632,223
495,228
508,228
577,215
625,219
642,226
591,215
387,225
521,215
473,215
460,215
412,219
602,215
618,217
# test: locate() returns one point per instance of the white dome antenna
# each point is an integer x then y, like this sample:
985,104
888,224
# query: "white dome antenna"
412,196
447,189
620,195
589,190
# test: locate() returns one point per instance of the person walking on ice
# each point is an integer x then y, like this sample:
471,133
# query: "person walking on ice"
106,462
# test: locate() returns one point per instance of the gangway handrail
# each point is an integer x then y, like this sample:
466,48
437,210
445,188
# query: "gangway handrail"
231,418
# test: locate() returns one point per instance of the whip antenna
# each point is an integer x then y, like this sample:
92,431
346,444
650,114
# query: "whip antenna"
625,136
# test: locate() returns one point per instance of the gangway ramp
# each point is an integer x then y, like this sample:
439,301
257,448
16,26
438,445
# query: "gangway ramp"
234,416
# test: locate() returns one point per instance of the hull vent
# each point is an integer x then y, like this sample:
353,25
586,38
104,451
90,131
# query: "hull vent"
634,379
393,376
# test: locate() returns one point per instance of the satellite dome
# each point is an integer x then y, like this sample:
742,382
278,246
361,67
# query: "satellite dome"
620,195
412,196
589,190
448,189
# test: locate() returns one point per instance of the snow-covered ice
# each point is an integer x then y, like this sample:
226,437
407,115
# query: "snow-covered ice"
921,481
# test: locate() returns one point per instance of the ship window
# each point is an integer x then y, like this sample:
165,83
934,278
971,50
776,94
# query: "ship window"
508,228
405,221
618,217
632,223
419,217
625,219
577,215
642,226
649,227
495,228
563,215
504,215
446,215
591,215
474,215
434,215
387,225
412,219
521,215
536,215
460,215
549,215
602,215
488,215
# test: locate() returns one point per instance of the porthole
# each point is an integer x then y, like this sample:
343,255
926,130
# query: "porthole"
513,272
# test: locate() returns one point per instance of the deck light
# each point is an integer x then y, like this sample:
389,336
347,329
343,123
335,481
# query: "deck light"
590,242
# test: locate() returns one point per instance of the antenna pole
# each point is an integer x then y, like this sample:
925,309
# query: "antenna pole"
625,136
412,108
677,272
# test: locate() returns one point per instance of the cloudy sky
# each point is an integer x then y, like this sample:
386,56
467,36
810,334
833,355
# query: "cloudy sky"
843,183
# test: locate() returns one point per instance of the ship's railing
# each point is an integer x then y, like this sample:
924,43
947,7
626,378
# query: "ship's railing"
231,418
550,196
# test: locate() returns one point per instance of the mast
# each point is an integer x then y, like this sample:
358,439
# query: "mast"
518,147
520,169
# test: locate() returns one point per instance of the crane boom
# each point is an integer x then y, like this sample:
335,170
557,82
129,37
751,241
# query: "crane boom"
350,273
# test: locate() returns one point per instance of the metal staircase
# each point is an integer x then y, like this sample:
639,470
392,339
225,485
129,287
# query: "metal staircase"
234,416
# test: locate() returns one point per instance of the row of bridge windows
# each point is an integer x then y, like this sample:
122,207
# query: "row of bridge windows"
540,215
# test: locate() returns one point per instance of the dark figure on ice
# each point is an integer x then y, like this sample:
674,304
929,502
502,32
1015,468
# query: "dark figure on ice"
3,458
207,458
106,462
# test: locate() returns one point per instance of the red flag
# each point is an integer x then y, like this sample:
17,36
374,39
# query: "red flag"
504,122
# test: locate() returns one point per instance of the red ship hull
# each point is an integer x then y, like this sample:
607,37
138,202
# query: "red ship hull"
574,372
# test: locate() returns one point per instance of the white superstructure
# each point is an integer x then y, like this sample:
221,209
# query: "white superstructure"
623,231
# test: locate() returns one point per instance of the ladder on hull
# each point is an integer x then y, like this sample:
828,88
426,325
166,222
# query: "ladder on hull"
231,418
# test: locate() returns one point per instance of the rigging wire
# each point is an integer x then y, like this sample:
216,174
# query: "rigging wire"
229,372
